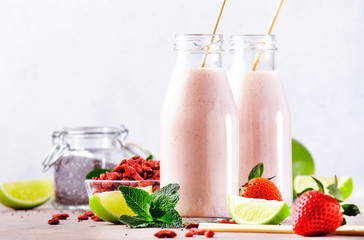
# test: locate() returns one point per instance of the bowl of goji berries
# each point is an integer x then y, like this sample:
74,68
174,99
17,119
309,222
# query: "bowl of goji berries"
135,172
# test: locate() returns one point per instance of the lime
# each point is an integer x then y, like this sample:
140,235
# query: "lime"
109,206
25,194
345,184
257,211
302,162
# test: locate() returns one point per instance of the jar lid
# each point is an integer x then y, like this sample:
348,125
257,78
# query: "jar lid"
60,148
91,131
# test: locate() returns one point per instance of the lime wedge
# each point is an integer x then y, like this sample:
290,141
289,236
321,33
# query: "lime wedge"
109,206
345,184
25,194
302,162
257,211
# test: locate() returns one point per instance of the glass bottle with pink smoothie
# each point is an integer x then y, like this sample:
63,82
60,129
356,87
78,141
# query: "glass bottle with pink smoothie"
199,129
264,118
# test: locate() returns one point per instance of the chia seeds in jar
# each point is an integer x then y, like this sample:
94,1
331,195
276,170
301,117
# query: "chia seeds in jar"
77,151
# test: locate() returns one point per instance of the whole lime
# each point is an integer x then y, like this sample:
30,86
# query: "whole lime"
302,162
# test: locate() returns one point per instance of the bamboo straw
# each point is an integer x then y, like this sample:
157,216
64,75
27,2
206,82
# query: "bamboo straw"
257,58
214,32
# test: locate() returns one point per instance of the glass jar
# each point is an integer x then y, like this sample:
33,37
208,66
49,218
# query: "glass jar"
78,150
264,117
199,125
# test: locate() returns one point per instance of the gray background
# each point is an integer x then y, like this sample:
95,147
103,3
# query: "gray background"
83,62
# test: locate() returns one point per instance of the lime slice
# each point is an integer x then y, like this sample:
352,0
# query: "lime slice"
25,194
109,206
345,184
257,211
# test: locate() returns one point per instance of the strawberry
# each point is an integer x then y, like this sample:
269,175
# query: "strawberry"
317,214
259,187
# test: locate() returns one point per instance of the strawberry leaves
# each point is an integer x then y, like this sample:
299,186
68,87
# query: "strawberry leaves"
257,171
319,184
350,209
335,192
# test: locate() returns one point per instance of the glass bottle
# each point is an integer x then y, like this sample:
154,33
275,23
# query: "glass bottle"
264,118
199,124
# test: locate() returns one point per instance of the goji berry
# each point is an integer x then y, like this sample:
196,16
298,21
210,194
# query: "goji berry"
227,221
53,221
201,232
89,213
96,218
61,216
189,234
209,234
82,217
102,176
165,234
192,225
194,230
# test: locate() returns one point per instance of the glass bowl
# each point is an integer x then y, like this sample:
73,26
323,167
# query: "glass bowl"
99,186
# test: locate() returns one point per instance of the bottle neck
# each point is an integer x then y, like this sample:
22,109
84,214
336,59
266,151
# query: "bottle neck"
253,50
188,60
199,50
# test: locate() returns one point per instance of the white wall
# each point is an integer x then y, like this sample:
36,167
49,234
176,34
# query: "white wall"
83,62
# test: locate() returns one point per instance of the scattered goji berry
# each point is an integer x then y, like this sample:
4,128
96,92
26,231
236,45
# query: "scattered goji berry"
189,234
96,218
53,221
194,230
61,216
192,225
209,234
201,232
165,234
227,221
89,213
82,217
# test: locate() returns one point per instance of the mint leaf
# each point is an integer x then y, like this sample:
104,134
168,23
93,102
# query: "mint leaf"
335,192
134,221
160,205
257,171
319,184
138,200
170,190
175,217
150,157
305,190
96,172
350,209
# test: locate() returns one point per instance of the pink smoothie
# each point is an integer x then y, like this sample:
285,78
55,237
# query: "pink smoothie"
264,127
199,141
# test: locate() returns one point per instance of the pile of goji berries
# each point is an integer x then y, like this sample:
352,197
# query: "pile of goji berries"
133,169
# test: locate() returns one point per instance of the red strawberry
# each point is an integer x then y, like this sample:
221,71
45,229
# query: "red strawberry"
258,187
316,214
261,188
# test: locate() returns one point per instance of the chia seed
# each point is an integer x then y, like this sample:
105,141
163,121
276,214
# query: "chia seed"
69,176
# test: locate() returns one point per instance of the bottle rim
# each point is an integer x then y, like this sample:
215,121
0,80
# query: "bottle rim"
255,42
199,43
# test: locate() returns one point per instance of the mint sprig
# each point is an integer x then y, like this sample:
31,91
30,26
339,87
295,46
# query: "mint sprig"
156,210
